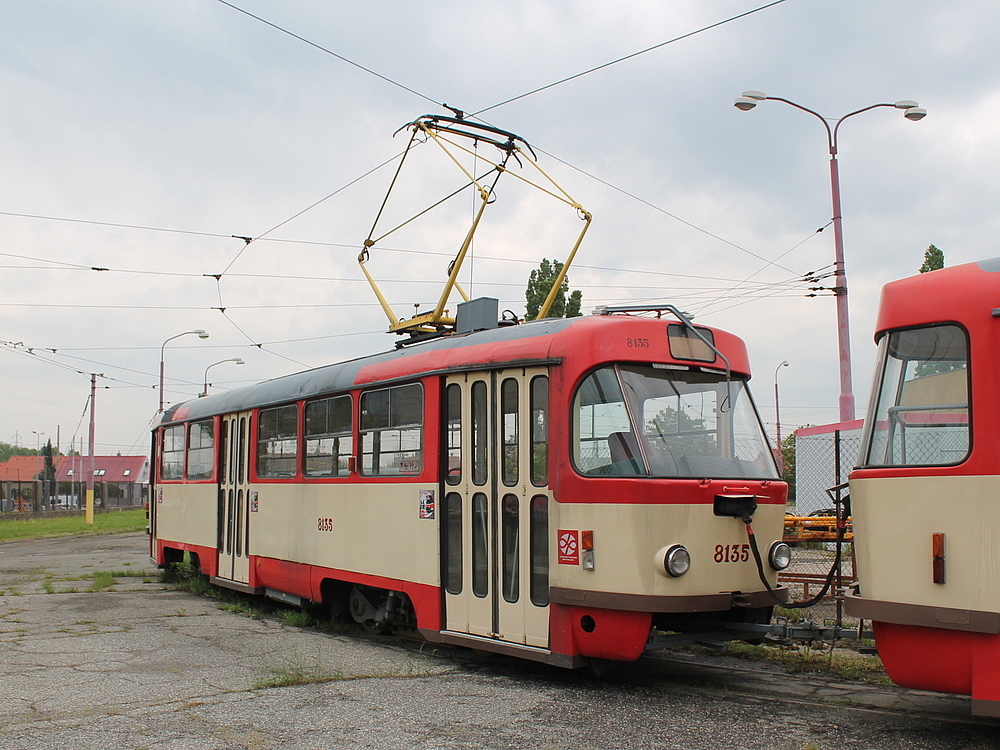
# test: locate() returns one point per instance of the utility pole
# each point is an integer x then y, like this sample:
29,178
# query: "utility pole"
89,515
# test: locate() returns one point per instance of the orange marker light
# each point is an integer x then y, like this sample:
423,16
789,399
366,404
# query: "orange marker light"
587,539
938,551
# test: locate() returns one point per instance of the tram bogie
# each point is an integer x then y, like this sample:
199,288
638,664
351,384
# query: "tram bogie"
549,490
924,494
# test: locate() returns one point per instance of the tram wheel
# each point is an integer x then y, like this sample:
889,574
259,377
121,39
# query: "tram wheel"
364,611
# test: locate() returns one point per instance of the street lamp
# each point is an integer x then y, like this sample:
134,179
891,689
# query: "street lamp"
38,441
911,111
199,333
777,420
237,360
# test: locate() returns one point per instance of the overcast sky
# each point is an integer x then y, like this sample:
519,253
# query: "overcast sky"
120,120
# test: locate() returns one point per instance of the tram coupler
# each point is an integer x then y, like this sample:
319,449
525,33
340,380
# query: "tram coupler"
736,506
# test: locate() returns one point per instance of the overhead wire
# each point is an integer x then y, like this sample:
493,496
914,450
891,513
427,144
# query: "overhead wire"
625,57
340,57
411,251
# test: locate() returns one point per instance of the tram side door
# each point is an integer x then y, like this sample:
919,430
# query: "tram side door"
495,511
235,498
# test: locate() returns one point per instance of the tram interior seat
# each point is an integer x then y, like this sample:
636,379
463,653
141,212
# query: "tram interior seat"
661,459
625,455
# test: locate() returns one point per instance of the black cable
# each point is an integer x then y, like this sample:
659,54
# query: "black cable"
334,54
626,57
794,605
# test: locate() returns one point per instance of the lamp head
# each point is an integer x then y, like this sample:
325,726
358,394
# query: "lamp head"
749,100
202,334
911,110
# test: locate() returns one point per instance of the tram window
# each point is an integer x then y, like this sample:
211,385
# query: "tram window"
241,451
480,433
233,449
172,460
511,543
453,469
220,520
693,424
329,442
277,441
480,549
509,414
684,344
539,550
239,523
540,431
392,430
921,407
453,543
605,442
224,461
201,449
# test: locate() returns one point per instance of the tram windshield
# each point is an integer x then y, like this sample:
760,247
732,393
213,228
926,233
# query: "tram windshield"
920,410
668,421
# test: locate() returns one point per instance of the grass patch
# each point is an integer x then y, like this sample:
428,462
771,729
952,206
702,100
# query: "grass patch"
292,672
296,618
843,663
104,523
102,581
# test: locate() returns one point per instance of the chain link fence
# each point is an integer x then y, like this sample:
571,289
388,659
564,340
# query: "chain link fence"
824,458
36,496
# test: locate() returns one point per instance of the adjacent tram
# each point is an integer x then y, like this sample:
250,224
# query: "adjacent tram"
561,490
925,494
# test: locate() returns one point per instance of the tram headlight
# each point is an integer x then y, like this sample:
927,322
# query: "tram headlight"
779,556
677,561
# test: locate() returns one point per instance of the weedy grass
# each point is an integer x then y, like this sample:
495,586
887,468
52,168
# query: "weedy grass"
292,672
102,580
185,577
104,523
842,663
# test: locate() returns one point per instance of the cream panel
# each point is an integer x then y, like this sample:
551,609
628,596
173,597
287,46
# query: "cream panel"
376,528
894,520
627,538
187,513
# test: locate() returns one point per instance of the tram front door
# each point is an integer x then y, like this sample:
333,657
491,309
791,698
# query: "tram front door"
495,540
235,499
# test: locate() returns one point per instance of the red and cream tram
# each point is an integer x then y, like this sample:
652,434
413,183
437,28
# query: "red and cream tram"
558,490
926,495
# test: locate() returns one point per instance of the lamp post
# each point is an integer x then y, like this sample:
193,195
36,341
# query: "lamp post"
911,111
199,333
777,420
237,360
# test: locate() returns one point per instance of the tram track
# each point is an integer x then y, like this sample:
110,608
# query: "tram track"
726,677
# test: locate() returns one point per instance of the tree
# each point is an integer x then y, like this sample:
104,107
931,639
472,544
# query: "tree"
933,259
788,464
7,450
48,472
540,282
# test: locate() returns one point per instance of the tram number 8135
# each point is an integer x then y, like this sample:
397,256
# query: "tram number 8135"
732,553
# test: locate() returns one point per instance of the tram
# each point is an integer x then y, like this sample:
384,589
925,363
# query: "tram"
925,494
561,490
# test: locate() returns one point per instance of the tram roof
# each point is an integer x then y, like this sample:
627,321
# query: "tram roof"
531,343
965,294
343,376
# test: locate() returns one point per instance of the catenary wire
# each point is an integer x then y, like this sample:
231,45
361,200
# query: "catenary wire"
626,57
